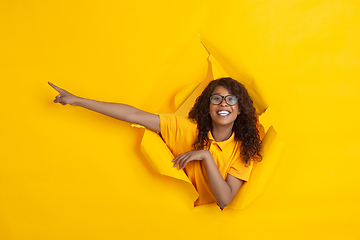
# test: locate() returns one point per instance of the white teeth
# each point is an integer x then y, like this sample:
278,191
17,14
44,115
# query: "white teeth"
223,113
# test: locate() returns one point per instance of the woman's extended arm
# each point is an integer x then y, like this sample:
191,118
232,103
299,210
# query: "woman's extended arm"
223,190
116,110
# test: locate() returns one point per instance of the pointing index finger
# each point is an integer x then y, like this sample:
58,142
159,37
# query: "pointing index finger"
55,87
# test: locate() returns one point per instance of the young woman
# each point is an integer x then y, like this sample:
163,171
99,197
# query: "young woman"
215,146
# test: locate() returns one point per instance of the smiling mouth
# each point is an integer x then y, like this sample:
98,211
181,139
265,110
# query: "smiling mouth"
223,113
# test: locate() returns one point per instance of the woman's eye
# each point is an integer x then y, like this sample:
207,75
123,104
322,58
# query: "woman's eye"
232,99
216,98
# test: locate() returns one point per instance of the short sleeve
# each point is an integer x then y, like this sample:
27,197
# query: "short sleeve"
239,170
168,127
177,132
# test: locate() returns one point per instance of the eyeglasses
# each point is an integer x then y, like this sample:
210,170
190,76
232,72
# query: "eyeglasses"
216,99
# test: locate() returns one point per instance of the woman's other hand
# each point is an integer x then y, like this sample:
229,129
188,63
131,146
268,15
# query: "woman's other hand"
185,158
64,96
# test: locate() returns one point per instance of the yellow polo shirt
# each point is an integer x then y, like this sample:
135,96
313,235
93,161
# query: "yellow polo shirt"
180,133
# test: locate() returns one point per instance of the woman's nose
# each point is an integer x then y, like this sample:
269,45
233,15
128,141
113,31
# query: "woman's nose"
223,102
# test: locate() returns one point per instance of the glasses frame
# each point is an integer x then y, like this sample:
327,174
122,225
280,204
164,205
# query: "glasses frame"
224,98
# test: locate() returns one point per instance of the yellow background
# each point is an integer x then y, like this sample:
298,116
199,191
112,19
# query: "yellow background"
68,173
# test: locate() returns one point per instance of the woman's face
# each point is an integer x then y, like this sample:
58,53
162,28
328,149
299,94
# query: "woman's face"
223,114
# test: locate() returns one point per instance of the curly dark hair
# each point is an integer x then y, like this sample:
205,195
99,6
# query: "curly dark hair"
245,125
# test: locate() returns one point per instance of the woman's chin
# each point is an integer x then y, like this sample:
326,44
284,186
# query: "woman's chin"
222,123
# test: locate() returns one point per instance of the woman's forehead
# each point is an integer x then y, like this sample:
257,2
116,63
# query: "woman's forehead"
221,90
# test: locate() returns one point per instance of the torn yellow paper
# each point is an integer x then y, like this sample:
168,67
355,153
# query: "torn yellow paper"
272,151
160,157
193,61
223,65
183,94
217,70
184,109
137,126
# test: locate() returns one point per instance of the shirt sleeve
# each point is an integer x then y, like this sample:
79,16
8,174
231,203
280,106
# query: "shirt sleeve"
176,132
239,170
169,128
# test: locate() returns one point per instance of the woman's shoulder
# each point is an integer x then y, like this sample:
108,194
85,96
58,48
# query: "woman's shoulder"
178,132
171,124
176,120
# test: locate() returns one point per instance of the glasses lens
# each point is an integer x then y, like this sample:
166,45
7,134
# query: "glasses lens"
231,100
216,99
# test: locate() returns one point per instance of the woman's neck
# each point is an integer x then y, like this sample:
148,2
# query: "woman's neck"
221,133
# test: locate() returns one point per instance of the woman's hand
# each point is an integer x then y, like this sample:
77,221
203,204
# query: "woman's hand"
185,158
64,96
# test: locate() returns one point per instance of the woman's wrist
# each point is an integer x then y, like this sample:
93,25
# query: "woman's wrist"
78,101
206,155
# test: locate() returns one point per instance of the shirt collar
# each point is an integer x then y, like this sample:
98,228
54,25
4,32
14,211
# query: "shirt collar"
222,145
